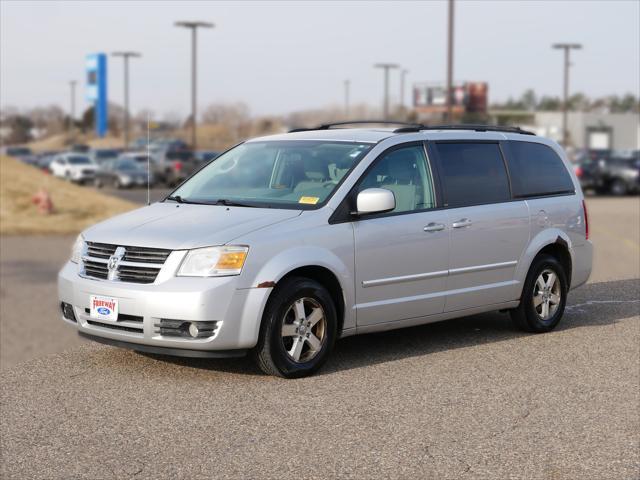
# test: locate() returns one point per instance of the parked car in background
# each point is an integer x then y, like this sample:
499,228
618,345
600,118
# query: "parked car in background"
204,156
74,166
45,159
142,159
122,173
24,154
173,166
615,175
80,148
286,243
100,155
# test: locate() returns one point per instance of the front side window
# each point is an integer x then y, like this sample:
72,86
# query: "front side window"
472,174
406,173
275,174
537,170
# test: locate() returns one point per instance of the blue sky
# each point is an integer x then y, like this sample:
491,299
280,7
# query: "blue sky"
284,56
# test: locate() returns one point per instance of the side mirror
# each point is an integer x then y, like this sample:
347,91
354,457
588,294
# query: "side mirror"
375,200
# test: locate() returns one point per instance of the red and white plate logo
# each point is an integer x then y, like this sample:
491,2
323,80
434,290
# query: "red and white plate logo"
104,308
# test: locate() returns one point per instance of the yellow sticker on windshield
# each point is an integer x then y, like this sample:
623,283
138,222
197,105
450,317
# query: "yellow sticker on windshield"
309,200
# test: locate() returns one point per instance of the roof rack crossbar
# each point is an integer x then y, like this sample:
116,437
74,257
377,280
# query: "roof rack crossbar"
328,126
474,127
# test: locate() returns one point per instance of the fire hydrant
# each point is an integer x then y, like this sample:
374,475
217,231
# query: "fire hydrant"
43,201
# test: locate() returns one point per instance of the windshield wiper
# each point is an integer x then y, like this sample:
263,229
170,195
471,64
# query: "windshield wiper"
176,198
231,203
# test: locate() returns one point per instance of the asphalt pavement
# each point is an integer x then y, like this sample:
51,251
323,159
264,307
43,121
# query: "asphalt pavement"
468,398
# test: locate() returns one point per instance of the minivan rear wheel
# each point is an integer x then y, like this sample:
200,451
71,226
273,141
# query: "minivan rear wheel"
299,328
543,297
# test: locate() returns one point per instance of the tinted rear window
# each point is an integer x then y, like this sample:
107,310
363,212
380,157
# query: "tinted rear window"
472,174
537,170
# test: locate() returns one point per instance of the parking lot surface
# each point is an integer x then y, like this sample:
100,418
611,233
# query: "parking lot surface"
468,398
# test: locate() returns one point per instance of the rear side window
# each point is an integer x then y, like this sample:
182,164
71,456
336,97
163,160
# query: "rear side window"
537,170
472,174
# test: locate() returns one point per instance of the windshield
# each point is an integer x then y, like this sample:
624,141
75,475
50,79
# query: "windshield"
79,161
286,174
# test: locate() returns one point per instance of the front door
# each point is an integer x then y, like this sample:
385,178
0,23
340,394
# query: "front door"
402,256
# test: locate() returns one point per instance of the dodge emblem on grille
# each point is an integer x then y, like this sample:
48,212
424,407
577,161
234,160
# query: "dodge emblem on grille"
114,261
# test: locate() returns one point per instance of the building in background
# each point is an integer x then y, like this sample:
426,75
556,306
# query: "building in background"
430,100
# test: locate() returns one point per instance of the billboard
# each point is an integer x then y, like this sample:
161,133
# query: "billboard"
468,97
96,90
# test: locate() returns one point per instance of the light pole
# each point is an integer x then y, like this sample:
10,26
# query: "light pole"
72,106
386,67
347,85
125,56
450,63
403,74
565,101
194,51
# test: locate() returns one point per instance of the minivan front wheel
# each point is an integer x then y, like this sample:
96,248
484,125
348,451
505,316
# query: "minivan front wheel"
299,329
543,297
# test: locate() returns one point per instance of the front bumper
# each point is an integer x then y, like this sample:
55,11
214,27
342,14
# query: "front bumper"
237,311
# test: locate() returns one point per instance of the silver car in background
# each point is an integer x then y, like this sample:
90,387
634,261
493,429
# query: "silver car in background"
286,243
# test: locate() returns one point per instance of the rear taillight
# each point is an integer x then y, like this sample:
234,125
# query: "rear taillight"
177,166
586,220
579,172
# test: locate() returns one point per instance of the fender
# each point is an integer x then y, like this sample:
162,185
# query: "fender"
542,239
308,256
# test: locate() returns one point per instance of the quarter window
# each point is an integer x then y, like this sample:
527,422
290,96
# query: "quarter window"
472,174
406,173
537,170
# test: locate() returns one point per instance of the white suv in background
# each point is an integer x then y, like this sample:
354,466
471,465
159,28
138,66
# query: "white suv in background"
75,167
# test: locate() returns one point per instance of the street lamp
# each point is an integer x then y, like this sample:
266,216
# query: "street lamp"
194,50
125,56
72,106
567,47
386,67
450,63
347,85
403,74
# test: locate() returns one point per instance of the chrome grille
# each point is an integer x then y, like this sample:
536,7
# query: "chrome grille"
137,265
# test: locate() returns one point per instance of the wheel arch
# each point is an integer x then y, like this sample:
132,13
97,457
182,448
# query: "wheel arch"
553,242
325,277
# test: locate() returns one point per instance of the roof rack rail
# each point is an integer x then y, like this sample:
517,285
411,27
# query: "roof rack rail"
474,127
328,126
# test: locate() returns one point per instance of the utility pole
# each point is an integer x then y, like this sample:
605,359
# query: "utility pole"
450,63
347,85
565,101
386,67
72,106
194,56
403,74
125,56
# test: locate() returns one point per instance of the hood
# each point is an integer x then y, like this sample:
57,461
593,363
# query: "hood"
182,226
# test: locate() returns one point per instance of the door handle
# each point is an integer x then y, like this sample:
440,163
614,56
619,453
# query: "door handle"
434,227
465,222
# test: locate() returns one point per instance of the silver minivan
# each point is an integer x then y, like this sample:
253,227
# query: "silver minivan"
284,244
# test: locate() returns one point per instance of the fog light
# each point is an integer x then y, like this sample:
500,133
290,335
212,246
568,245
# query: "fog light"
67,312
193,330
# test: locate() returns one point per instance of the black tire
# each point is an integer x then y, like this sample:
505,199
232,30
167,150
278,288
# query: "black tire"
526,317
270,353
618,188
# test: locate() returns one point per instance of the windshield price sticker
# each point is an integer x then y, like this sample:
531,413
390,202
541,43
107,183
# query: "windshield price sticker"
309,200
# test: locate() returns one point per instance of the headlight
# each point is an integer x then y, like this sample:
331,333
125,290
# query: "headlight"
213,261
77,250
